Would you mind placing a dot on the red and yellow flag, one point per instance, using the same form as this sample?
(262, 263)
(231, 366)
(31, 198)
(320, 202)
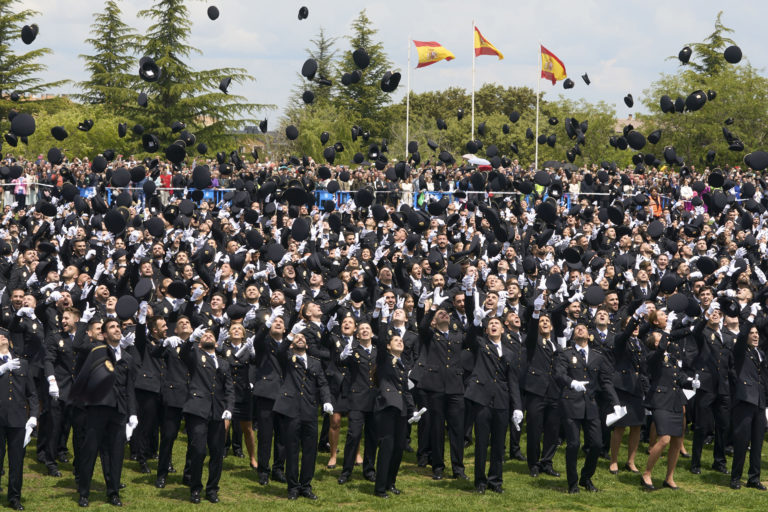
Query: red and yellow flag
(431, 52)
(552, 68)
(484, 47)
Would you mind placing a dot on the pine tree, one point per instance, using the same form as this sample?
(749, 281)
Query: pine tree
(18, 70)
(111, 81)
(182, 93)
(364, 100)
(324, 53)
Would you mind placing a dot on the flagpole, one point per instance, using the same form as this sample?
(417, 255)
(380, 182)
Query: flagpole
(408, 101)
(472, 135)
(538, 93)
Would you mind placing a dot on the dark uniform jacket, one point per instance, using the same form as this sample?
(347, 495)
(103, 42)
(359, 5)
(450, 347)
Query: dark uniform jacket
(303, 389)
(392, 383)
(267, 372)
(18, 399)
(61, 362)
(542, 355)
(122, 393)
(359, 388)
(630, 374)
(439, 368)
(750, 369)
(596, 370)
(175, 379)
(211, 391)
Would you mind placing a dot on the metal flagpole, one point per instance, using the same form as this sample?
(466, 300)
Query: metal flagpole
(408, 101)
(472, 135)
(538, 93)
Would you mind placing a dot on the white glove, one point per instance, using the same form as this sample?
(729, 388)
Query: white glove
(298, 327)
(32, 280)
(332, 322)
(223, 335)
(417, 416)
(49, 286)
(90, 254)
(88, 314)
(29, 427)
(479, 315)
(695, 275)
(246, 347)
(128, 340)
(695, 383)
(439, 298)
(278, 311)
(641, 311)
(133, 421)
(231, 284)
(467, 283)
(53, 297)
(579, 386)
(381, 303)
(760, 275)
(517, 418)
(538, 304)
(299, 301)
(250, 315)
(425, 294)
(226, 415)
(328, 408)
(197, 333)
(143, 307)
(53, 388)
(12, 364)
(172, 341)
(197, 294)
(178, 303)
(28, 312)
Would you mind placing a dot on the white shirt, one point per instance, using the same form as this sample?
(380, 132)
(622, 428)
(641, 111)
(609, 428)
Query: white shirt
(303, 359)
(118, 353)
(498, 347)
(215, 361)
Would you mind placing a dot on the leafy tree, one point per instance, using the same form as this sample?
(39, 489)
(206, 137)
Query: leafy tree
(324, 53)
(114, 43)
(363, 101)
(18, 71)
(182, 93)
(742, 95)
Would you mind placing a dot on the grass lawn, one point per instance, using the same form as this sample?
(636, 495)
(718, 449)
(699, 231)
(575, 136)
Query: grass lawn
(241, 491)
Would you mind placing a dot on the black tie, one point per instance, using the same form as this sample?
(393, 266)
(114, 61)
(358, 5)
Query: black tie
(583, 354)
(5, 359)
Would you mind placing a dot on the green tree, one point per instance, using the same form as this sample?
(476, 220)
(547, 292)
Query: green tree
(324, 53)
(18, 71)
(363, 102)
(742, 95)
(182, 93)
(113, 42)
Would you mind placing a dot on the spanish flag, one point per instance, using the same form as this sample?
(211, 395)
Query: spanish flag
(431, 52)
(552, 68)
(484, 47)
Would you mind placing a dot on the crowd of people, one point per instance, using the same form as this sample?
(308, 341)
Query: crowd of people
(262, 319)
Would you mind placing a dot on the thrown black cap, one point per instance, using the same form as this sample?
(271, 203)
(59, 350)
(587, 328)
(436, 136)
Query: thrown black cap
(177, 289)
(309, 69)
(594, 295)
(361, 58)
(291, 132)
(23, 125)
(685, 54)
(213, 13)
(568, 84)
(303, 13)
(149, 71)
(224, 84)
(390, 81)
(732, 54)
(585, 77)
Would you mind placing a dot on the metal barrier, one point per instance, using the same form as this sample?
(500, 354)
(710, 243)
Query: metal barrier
(209, 194)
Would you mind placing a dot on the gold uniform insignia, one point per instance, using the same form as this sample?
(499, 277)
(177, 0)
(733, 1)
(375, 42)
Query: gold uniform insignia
(575, 360)
(591, 337)
(178, 350)
(455, 327)
(293, 359)
(109, 366)
(713, 336)
(210, 322)
(394, 361)
(61, 343)
(34, 327)
(202, 358)
(357, 355)
(229, 352)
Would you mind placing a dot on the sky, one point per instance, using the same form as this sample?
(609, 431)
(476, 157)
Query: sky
(623, 46)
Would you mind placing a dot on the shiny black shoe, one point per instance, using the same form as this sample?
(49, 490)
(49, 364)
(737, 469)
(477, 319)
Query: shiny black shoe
(15, 505)
(308, 494)
(263, 478)
(115, 501)
(670, 486)
(408, 448)
(394, 490)
(279, 476)
(480, 489)
(645, 486)
(720, 469)
(371, 477)
(293, 495)
(83, 501)
(460, 476)
(213, 497)
(534, 472)
(437, 474)
(381, 495)
(550, 471)
(422, 462)
(160, 482)
(144, 468)
(239, 454)
(518, 455)
(64, 458)
(695, 470)
(756, 485)
(735, 485)
(54, 472)
(343, 479)
(171, 469)
(588, 486)
(574, 489)
(194, 497)
(497, 489)
(121, 486)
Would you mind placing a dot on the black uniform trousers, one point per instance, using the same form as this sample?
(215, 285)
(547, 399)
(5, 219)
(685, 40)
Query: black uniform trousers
(748, 430)
(490, 430)
(79, 416)
(543, 418)
(105, 433)
(205, 433)
(423, 432)
(359, 421)
(268, 429)
(391, 428)
(149, 406)
(299, 435)
(593, 443)
(445, 408)
(13, 437)
(61, 415)
(711, 413)
(169, 431)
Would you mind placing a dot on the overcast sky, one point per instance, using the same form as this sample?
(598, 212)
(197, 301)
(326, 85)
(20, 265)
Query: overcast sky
(622, 45)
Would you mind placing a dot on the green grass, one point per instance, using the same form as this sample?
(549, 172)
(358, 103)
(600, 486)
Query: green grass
(241, 491)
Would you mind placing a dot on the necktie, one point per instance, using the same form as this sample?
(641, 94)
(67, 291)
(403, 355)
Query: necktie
(5, 359)
(463, 320)
(215, 362)
(304, 361)
(602, 337)
(583, 354)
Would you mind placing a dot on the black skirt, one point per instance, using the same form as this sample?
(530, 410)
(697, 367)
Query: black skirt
(243, 411)
(635, 410)
(668, 423)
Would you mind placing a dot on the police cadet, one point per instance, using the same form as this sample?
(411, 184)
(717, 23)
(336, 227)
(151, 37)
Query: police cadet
(581, 371)
(441, 378)
(542, 392)
(105, 387)
(209, 404)
(359, 357)
(493, 390)
(18, 409)
(303, 389)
